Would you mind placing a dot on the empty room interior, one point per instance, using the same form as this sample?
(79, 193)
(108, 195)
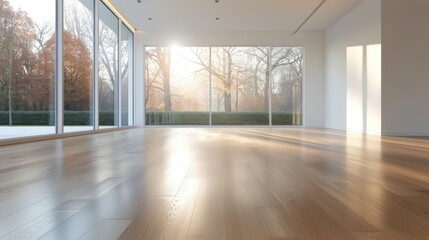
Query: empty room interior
(214, 119)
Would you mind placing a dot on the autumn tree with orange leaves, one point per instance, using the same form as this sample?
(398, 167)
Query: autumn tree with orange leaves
(27, 60)
(77, 66)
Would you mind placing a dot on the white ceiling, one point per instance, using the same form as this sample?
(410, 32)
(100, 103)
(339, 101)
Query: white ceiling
(235, 15)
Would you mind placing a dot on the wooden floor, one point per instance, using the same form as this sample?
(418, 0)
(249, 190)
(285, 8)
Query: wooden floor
(233, 184)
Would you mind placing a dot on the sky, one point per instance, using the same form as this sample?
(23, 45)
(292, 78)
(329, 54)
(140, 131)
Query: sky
(41, 11)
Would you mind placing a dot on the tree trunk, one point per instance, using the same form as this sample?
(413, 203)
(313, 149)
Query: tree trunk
(167, 91)
(255, 82)
(266, 87)
(9, 77)
(167, 94)
(227, 100)
(165, 60)
(147, 88)
(236, 96)
(228, 83)
(218, 102)
(267, 82)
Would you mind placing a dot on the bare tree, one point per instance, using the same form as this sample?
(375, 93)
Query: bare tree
(272, 58)
(223, 70)
(151, 76)
(161, 57)
(108, 66)
(78, 20)
(41, 34)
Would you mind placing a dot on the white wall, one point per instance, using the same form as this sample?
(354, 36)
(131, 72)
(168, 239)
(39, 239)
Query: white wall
(314, 95)
(139, 83)
(353, 70)
(405, 67)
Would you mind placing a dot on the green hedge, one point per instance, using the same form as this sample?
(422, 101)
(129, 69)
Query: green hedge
(177, 118)
(218, 118)
(83, 118)
(240, 118)
(282, 119)
(42, 118)
(47, 118)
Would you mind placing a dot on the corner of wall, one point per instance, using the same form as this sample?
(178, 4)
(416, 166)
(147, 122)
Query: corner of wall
(353, 69)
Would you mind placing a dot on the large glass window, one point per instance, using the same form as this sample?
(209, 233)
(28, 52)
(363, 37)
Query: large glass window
(29, 65)
(177, 86)
(126, 56)
(78, 57)
(108, 68)
(27, 52)
(286, 88)
(239, 95)
(247, 84)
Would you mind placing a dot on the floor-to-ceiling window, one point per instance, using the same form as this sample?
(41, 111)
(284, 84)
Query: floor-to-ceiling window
(127, 73)
(108, 67)
(177, 85)
(78, 38)
(246, 85)
(286, 90)
(78, 60)
(27, 52)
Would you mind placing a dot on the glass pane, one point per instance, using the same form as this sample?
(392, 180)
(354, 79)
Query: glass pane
(108, 67)
(240, 83)
(27, 53)
(287, 85)
(177, 86)
(78, 65)
(126, 76)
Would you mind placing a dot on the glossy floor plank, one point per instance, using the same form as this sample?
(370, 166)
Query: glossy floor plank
(160, 183)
